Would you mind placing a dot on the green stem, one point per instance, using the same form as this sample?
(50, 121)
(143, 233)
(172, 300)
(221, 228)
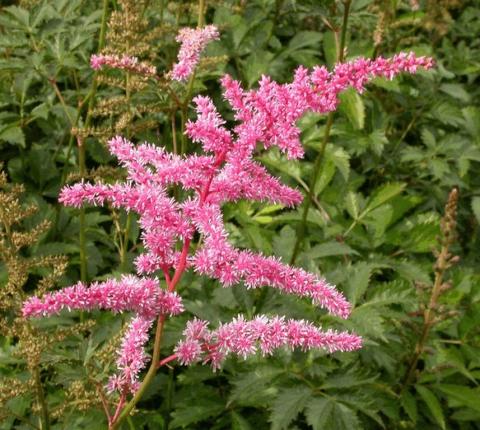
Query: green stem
(200, 23)
(171, 284)
(201, 13)
(148, 377)
(124, 249)
(81, 148)
(41, 400)
(428, 317)
(162, 7)
(318, 161)
(83, 227)
(183, 142)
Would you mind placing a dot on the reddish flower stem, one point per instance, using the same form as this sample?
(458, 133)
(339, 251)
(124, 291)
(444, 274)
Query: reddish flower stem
(122, 414)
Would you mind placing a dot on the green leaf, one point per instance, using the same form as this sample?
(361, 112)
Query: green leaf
(326, 413)
(460, 395)
(384, 194)
(289, 403)
(197, 405)
(457, 91)
(409, 404)
(358, 281)
(447, 114)
(327, 171)
(19, 14)
(472, 120)
(432, 403)
(239, 422)
(341, 159)
(13, 134)
(253, 388)
(255, 65)
(284, 243)
(330, 48)
(329, 249)
(352, 204)
(476, 207)
(303, 39)
(351, 104)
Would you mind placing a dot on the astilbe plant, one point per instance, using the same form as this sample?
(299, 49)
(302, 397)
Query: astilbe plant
(226, 172)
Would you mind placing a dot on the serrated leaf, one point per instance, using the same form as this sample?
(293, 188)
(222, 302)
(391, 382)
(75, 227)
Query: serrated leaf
(352, 205)
(428, 138)
(13, 134)
(409, 404)
(303, 39)
(326, 413)
(447, 114)
(432, 403)
(239, 423)
(284, 243)
(384, 194)
(457, 91)
(461, 395)
(327, 171)
(191, 413)
(351, 104)
(472, 120)
(288, 404)
(252, 388)
(358, 280)
(329, 249)
(19, 14)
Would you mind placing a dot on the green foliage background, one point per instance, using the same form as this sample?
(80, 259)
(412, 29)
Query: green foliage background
(393, 155)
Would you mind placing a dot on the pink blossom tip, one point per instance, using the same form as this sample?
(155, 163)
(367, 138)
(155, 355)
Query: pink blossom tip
(193, 42)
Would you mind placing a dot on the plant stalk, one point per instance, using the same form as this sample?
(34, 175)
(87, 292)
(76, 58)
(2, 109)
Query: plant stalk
(171, 285)
(318, 161)
(444, 261)
(81, 148)
(41, 400)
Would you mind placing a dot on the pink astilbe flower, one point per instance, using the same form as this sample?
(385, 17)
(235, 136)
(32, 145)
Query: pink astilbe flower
(228, 172)
(140, 295)
(130, 64)
(245, 338)
(193, 42)
(131, 356)
(269, 114)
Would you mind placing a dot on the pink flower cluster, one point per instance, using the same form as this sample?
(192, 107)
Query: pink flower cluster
(131, 356)
(193, 42)
(130, 294)
(130, 64)
(244, 338)
(228, 172)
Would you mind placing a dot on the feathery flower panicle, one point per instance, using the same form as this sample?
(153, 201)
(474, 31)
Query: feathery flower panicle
(228, 172)
(245, 338)
(130, 64)
(193, 42)
(269, 114)
(131, 356)
(130, 294)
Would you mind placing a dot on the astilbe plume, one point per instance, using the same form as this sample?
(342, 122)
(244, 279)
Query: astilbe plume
(193, 42)
(226, 173)
(124, 62)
